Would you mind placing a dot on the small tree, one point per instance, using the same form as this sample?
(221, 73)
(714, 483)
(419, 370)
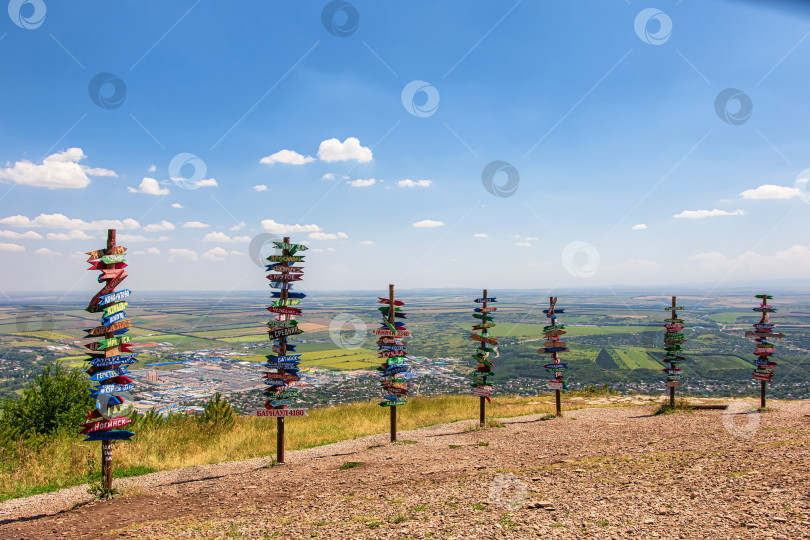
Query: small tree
(218, 413)
(58, 398)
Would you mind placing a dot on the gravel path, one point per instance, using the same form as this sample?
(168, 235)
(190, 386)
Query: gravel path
(613, 472)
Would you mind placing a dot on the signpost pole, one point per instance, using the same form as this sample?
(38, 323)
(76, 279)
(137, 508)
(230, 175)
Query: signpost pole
(482, 406)
(106, 446)
(762, 387)
(391, 320)
(672, 388)
(555, 359)
(280, 419)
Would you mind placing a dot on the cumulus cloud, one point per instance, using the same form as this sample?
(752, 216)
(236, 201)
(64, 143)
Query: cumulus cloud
(480, 235)
(208, 182)
(288, 157)
(60, 221)
(328, 176)
(259, 188)
(57, 171)
(271, 226)
(177, 205)
(47, 252)
(215, 236)
(239, 226)
(428, 223)
(639, 227)
(322, 236)
(770, 191)
(149, 251)
(350, 149)
(362, 183)
(195, 225)
(367, 242)
(410, 183)
(523, 244)
(342, 235)
(28, 235)
(11, 247)
(75, 234)
(149, 186)
(700, 214)
(215, 254)
(182, 253)
(157, 227)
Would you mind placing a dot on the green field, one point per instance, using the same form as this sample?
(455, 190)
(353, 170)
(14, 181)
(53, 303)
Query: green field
(728, 317)
(536, 330)
(343, 359)
(637, 358)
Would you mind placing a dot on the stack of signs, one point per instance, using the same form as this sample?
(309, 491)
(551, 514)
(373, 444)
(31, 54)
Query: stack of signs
(554, 346)
(391, 347)
(673, 338)
(283, 374)
(763, 331)
(481, 386)
(110, 355)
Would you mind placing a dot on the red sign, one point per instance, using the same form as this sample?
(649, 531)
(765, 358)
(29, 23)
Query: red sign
(388, 301)
(763, 377)
(389, 333)
(285, 277)
(284, 310)
(104, 425)
(281, 413)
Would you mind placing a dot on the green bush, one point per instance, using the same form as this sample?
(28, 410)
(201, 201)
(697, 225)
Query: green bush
(58, 398)
(218, 413)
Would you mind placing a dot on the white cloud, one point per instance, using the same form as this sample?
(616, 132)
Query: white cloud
(28, 235)
(367, 242)
(361, 182)
(322, 236)
(59, 170)
(195, 225)
(259, 188)
(162, 226)
(288, 157)
(350, 149)
(177, 205)
(330, 249)
(280, 228)
(531, 239)
(215, 254)
(208, 182)
(342, 235)
(700, 214)
(75, 234)
(47, 252)
(152, 168)
(235, 252)
(153, 251)
(182, 253)
(215, 236)
(480, 235)
(239, 226)
(639, 227)
(60, 221)
(328, 176)
(11, 247)
(149, 186)
(410, 183)
(428, 223)
(769, 191)
(523, 244)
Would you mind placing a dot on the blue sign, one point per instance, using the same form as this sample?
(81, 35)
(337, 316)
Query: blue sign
(287, 358)
(111, 389)
(556, 366)
(394, 370)
(114, 297)
(109, 374)
(115, 317)
(280, 402)
(117, 435)
(277, 294)
(114, 360)
(275, 382)
(391, 347)
(286, 366)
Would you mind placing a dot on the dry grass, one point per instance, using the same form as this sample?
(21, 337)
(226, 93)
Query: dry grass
(65, 460)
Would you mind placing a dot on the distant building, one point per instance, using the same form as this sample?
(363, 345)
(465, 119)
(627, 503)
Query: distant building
(152, 376)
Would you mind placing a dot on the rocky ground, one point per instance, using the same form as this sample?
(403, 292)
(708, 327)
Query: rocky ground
(615, 472)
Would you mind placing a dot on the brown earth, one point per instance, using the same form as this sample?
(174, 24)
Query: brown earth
(615, 472)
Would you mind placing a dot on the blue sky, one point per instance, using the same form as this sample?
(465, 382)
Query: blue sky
(608, 110)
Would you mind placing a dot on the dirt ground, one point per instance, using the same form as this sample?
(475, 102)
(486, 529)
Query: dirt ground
(615, 472)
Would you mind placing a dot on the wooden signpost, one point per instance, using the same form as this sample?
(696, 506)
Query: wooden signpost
(763, 331)
(284, 366)
(109, 356)
(480, 385)
(391, 348)
(554, 346)
(673, 350)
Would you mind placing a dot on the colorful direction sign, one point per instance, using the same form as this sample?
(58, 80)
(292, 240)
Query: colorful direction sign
(481, 386)
(763, 348)
(673, 349)
(283, 368)
(554, 346)
(392, 350)
(107, 366)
